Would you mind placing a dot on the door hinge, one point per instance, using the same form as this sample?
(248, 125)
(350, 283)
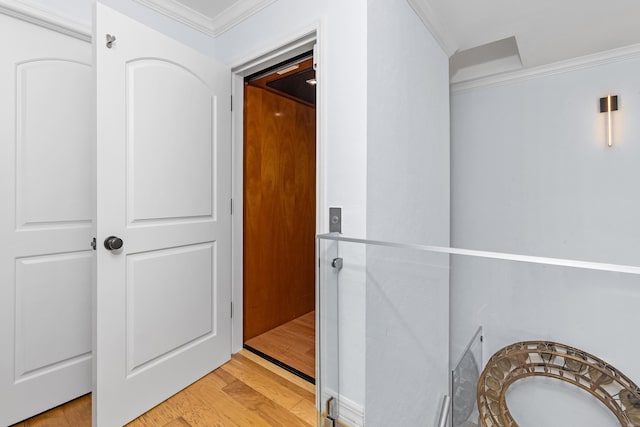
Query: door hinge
(232, 310)
(93, 243)
(231, 102)
(231, 206)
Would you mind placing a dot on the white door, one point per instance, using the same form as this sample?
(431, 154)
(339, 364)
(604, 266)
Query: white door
(46, 140)
(163, 187)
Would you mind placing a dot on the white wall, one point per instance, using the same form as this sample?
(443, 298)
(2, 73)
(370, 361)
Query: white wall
(531, 175)
(407, 293)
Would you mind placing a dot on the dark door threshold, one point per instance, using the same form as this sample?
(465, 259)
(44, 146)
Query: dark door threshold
(280, 364)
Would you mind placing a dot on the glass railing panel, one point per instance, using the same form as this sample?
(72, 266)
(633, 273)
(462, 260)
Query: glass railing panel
(577, 319)
(393, 334)
(407, 335)
(342, 276)
(328, 333)
(405, 315)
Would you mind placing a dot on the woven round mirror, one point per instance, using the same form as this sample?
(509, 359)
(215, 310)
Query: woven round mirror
(559, 361)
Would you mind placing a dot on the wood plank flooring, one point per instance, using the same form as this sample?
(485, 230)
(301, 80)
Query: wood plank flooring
(74, 413)
(247, 391)
(293, 343)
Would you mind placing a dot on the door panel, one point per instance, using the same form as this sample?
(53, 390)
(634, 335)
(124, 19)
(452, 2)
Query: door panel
(50, 329)
(52, 187)
(279, 210)
(45, 182)
(155, 129)
(160, 299)
(163, 174)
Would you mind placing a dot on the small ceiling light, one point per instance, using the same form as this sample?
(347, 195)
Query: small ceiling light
(312, 82)
(287, 69)
(608, 104)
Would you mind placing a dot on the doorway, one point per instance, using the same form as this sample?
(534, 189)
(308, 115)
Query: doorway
(279, 218)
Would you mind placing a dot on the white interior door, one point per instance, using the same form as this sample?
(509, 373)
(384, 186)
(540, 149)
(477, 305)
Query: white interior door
(163, 187)
(46, 134)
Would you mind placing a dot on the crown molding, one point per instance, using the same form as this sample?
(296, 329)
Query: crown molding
(429, 18)
(181, 13)
(238, 12)
(29, 11)
(582, 62)
(215, 26)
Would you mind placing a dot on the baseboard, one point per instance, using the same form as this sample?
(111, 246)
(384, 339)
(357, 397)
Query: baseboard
(350, 413)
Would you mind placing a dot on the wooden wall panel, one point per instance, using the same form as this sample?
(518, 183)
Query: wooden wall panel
(279, 210)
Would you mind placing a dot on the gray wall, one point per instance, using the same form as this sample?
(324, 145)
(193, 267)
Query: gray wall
(407, 128)
(532, 175)
(407, 201)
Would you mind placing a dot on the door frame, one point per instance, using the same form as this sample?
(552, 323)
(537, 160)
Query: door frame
(300, 42)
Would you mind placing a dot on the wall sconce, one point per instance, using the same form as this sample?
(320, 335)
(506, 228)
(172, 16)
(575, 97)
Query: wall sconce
(608, 104)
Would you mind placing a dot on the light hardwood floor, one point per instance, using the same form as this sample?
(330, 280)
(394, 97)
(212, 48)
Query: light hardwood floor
(247, 391)
(293, 343)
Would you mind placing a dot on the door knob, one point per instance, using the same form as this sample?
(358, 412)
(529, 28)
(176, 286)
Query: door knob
(113, 243)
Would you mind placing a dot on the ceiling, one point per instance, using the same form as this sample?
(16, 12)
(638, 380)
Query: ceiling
(508, 34)
(545, 31)
(207, 7)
